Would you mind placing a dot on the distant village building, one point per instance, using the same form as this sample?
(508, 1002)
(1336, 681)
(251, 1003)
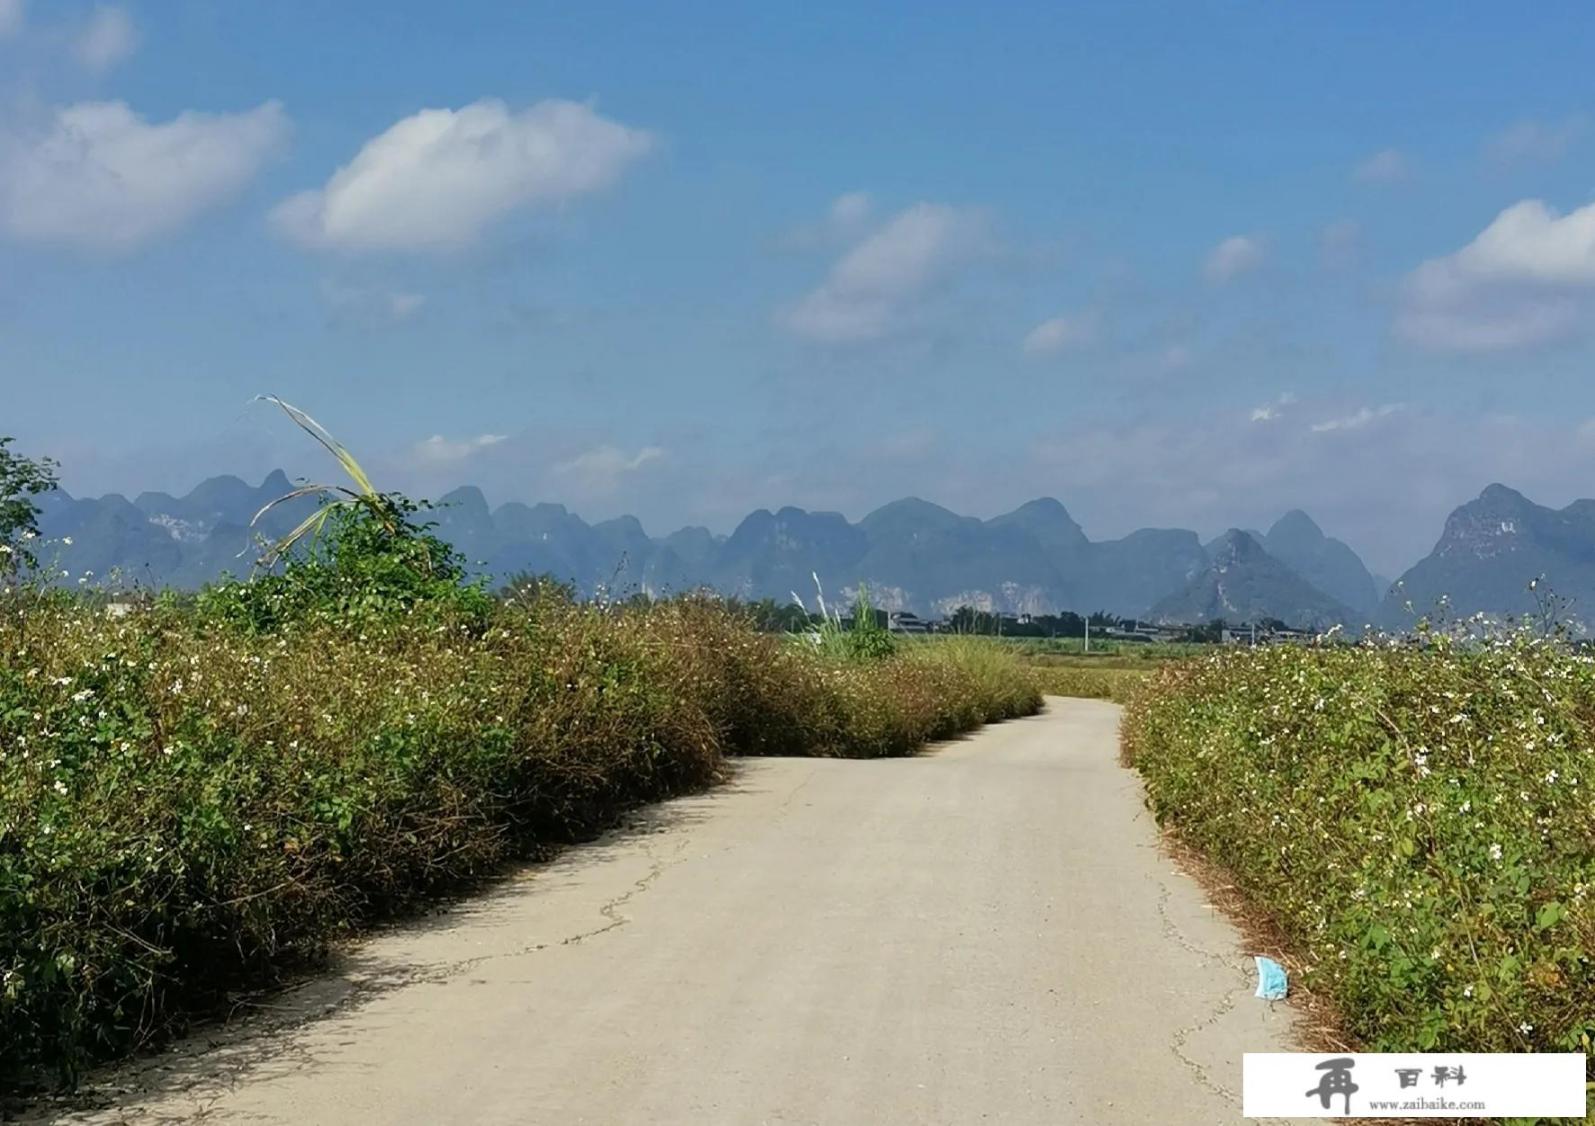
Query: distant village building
(901, 621)
(1263, 635)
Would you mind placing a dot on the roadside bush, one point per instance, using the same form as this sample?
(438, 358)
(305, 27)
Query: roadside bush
(193, 800)
(369, 561)
(1418, 821)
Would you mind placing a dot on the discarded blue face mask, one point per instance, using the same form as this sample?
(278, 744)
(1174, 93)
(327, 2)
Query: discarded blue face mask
(1270, 979)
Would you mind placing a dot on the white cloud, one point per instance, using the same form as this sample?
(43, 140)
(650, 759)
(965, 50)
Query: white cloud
(1236, 255)
(107, 39)
(1060, 334)
(99, 176)
(1527, 141)
(1522, 282)
(844, 223)
(851, 208)
(873, 288)
(437, 179)
(1272, 412)
(438, 450)
(601, 468)
(12, 17)
(1387, 166)
(1530, 242)
(1357, 420)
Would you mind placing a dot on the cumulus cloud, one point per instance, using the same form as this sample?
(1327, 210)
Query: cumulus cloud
(438, 450)
(438, 178)
(1524, 281)
(1530, 141)
(107, 39)
(1060, 334)
(1387, 166)
(873, 289)
(12, 17)
(99, 176)
(1236, 255)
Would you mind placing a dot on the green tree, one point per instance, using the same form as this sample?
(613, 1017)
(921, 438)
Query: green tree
(21, 479)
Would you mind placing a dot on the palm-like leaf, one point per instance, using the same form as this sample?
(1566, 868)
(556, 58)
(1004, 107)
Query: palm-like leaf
(311, 525)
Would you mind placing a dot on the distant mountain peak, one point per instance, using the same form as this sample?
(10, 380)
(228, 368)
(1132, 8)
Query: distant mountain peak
(1048, 521)
(1296, 524)
(1492, 548)
(467, 499)
(1499, 496)
(915, 507)
(1048, 507)
(1235, 546)
(1325, 562)
(1243, 582)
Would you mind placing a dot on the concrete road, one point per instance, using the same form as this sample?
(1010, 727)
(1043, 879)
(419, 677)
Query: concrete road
(986, 933)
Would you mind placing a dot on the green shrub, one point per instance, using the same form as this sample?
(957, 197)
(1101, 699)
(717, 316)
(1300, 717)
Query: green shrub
(1419, 821)
(370, 560)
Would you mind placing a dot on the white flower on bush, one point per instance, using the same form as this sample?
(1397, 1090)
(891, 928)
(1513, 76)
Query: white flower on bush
(1495, 853)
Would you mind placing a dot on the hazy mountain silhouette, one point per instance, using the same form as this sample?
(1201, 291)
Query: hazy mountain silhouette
(913, 554)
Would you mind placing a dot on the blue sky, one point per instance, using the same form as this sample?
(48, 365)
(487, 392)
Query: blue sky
(1177, 265)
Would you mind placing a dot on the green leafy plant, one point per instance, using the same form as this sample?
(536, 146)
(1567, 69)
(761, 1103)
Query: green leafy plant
(21, 480)
(361, 556)
(865, 638)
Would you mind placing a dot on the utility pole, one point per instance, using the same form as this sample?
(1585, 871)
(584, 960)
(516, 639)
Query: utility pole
(1254, 635)
(1088, 633)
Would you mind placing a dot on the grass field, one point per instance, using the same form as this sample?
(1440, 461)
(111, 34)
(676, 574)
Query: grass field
(1115, 673)
(1139, 652)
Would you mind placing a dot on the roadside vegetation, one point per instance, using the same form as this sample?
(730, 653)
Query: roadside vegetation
(1417, 819)
(199, 794)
